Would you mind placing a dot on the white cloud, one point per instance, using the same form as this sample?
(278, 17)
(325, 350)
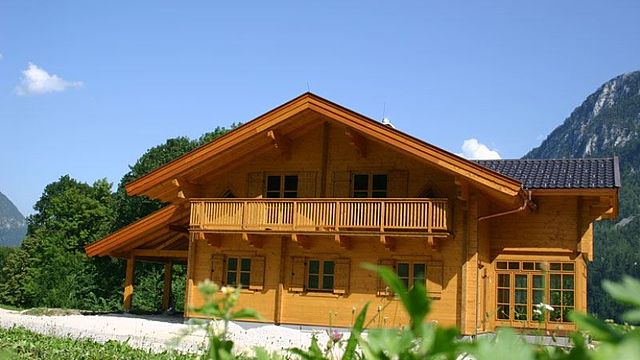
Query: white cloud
(472, 149)
(36, 81)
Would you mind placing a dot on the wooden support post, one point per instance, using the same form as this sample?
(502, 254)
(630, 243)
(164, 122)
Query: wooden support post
(128, 283)
(166, 290)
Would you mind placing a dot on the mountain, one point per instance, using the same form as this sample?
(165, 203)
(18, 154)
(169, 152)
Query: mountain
(12, 224)
(607, 123)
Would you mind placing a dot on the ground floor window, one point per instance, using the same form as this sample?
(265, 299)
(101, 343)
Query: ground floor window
(411, 272)
(521, 285)
(320, 275)
(238, 271)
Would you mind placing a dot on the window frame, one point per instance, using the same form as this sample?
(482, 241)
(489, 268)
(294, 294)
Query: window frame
(238, 271)
(370, 191)
(282, 191)
(320, 274)
(531, 269)
(411, 276)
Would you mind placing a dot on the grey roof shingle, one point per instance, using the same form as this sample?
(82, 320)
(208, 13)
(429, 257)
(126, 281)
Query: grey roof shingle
(559, 173)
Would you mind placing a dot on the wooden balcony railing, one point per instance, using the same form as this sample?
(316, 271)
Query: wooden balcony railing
(428, 216)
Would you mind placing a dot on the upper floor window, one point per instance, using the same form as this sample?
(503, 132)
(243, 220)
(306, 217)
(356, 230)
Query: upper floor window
(369, 186)
(282, 186)
(524, 284)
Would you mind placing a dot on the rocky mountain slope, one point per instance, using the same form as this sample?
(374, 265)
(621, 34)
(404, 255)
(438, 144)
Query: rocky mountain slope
(12, 224)
(606, 124)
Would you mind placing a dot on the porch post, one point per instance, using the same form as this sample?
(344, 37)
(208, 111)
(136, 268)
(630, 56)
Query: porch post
(166, 291)
(128, 283)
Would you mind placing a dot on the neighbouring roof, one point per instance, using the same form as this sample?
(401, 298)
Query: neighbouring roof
(597, 173)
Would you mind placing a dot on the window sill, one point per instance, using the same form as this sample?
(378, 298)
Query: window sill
(320, 294)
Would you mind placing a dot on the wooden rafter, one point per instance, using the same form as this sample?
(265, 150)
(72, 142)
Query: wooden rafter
(388, 242)
(301, 240)
(256, 241)
(343, 241)
(182, 254)
(171, 241)
(358, 142)
(185, 189)
(280, 142)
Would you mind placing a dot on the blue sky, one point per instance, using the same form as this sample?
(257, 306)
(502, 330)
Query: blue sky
(109, 80)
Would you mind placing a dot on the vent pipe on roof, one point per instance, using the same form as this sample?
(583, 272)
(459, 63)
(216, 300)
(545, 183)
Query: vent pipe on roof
(388, 123)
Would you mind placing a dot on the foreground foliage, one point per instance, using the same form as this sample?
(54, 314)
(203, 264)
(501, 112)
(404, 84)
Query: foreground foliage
(19, 343)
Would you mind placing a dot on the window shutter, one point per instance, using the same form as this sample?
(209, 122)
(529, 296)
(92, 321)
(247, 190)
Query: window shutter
(256, 281)
(341, 276)
(217, 268)
(383, 288)
(255, 184)
(297, 274)
(434, 278)
(341, 184)
(397, 183)
(307, 184)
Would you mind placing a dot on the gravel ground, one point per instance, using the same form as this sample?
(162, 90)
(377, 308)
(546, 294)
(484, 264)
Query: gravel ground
(156, 332)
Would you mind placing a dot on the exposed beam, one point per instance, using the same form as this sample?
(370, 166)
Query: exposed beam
(388, 242)
(301, 240)
(280, 142)
(256, 241)
(171, 241)
(358, 141)
(186, 189)
(179, 228)
(160, 253)
(433, 243)
(212, 239)
(343, 241)
(128, 283)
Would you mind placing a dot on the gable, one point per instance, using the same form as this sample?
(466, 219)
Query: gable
(274, 128)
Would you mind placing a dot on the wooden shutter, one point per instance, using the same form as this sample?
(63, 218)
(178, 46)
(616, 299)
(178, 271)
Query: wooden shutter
(256, 281)
(341, 276)
(255, 184)
(434, 278)
(217, 268)
(297, 274)
(307, 184)
(341, 184)
(397, 183)
(383, 288)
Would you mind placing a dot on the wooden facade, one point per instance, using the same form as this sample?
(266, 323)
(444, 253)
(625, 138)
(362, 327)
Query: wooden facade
(290, 205)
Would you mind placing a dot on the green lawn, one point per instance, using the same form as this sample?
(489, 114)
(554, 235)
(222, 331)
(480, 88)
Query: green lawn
(9, 307)
(20, 343)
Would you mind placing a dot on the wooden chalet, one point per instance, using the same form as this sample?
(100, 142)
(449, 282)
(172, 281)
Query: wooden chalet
(290, 204)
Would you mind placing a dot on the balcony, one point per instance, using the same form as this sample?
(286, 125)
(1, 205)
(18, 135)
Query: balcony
(397, 217)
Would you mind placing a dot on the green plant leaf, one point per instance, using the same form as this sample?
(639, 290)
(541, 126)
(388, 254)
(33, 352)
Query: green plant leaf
(626, 292)
(350, 350)
(596, 328)
(246, 314)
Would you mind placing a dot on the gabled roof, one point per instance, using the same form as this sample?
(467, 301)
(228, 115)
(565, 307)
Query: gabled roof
(595, 173)
(465, 169)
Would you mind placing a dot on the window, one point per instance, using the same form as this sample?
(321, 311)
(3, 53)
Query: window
(369, 185)
(523, 284)
(320, 275)
(282, 186)
(239, 272)
(410, 273)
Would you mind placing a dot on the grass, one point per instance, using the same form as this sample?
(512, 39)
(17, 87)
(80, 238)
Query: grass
(10, 307)
(20, 343)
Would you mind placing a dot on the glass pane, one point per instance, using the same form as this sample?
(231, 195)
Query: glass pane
(536, 317)
(419, 271)
(360, 194)
(327, 282)
(555, 315)
(538, 281)
(555, 266)
(503, 312)
(520, 312)
(503, 296)
(244, 279)
(273, 194)
(405, 281)
(521, 296)
(504, 280)
(539, 266)
(555, 282)
(527, 266)
(567, 282)
(521, 281)
(379, 194)
(567, 298)
(514, 265)
(314, 267)
(567, 267)
(379, 182)
(290, 194)
(291, 182)
(403, 269)
(232, 264)
(556, 297)
(538, 296)
(360, 182)
(245, 264)
(565, 314)
(327, 268)
(231, 278)
(313, 282)
(501, 265)
(273, 183)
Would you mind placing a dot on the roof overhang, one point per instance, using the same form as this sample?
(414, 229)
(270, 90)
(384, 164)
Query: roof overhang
(157, 181)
